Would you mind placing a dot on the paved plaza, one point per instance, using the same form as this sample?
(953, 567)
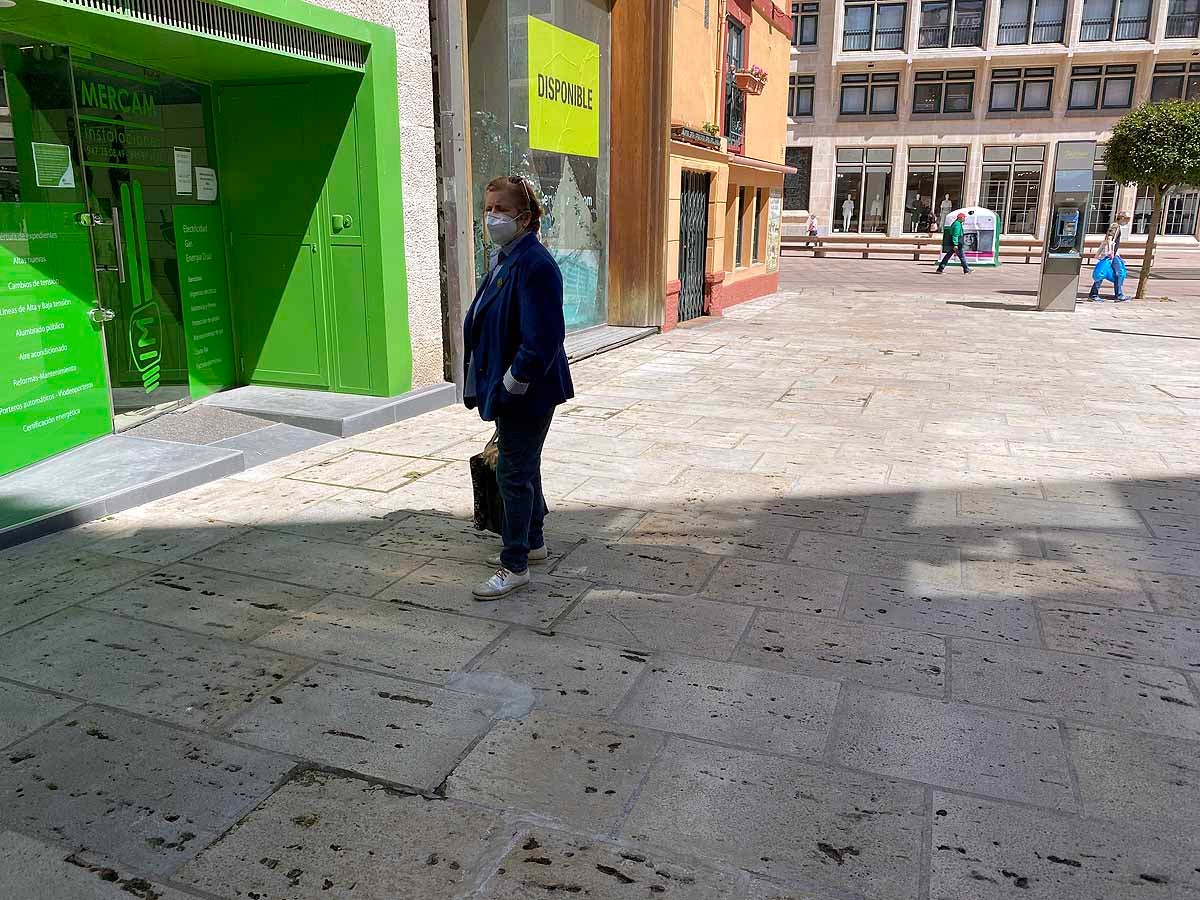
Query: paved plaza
(861, 592)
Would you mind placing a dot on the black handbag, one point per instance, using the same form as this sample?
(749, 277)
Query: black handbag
(489, 506)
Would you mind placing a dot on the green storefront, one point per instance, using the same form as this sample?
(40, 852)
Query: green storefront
(192, 197)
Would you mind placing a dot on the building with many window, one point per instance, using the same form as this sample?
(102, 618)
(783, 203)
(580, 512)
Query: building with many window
(899, 112)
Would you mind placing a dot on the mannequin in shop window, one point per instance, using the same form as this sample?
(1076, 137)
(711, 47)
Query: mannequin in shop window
(945, 209)
(847, 213)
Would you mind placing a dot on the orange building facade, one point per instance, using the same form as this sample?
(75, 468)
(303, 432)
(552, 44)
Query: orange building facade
(729, 78)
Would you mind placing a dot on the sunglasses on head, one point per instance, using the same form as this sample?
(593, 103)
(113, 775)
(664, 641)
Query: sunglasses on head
(518, 179)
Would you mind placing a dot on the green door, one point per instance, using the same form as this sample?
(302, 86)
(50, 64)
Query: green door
(347, 264)
(54, 391)
(272, 204)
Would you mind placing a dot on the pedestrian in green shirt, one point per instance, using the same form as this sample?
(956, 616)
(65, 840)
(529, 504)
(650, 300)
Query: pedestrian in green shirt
(952, 244)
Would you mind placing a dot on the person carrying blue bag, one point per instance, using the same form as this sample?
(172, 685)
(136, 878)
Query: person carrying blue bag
(1109, 265)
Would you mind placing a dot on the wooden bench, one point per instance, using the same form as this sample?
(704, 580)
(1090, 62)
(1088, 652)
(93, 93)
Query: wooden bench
(1012, 249)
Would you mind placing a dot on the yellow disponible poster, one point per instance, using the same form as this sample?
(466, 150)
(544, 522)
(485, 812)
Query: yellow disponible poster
(564, 91)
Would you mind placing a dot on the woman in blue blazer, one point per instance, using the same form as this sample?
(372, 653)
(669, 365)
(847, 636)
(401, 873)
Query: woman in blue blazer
(516, 370)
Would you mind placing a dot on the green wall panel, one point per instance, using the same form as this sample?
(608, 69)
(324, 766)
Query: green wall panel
(354, 357)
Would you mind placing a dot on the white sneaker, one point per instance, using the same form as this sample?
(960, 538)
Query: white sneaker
(540, 555)
(501, 584)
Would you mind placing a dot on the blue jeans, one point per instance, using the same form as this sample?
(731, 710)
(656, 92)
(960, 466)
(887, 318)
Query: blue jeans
(1118, 289)
(962, 259)
(519, 477)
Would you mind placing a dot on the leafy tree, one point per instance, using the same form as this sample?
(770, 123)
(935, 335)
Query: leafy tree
(1156, 146)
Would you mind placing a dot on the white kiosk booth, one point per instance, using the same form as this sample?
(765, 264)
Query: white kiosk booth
(981, 235)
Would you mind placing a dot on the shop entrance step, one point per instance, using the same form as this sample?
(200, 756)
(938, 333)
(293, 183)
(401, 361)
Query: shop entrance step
(340, 415)
(104, 477)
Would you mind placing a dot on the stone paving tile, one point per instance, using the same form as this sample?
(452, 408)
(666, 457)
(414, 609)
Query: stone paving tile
(598, 445)
(256, 503)
(988, 851)
(427, 495)
(566, 675)
(784, 819)
(1046, 579)
(764, 537)
(137, 793)
(844, 651)
(640, 472)
(764, 890)
(1174, 527)
(388, 637)
(998, 754)
(1177, 595)
(225, 604)
(733, 704)
(989, 541)
(23, 711)
(367, 470)
(624, 493)
(1151, 555)
(1133, 496)
(349, 517)
(810, 514)
(940, 611)
(666, 569)
(1016, 512)
(1136, 778)
(658, 622)
(33, 869)
(1103, 692)
(445, 585)
(438, 537)
(379, 727)
(542, 863)
(577, 771)
(319, 564)
(161, 537)
(717, 459)
(327, 836)
(29, 598)
(188, 679)
(1132, 636)
(780, 586)
(920, 563)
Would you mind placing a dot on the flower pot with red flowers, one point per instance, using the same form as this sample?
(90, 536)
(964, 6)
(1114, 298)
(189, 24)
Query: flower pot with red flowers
(751, 80)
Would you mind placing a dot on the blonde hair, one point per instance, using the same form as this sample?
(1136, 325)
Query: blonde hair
(518, 185)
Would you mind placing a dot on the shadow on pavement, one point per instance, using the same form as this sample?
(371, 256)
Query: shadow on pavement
(332, 636)
(984, 304)
(1180, 337)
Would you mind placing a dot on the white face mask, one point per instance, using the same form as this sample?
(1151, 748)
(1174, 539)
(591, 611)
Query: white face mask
(501, 228)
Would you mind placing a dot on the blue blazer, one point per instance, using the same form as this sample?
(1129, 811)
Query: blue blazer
(515, 326)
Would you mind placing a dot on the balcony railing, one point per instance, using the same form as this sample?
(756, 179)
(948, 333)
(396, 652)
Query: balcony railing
(889, 39)
(939, 36)
(968, 36)
(856, 40)
(1186, 25)
(1020, 33)
(934, 36)
(1096, 30)
(1048, 32)
(1133, 29)
(1013, 33)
